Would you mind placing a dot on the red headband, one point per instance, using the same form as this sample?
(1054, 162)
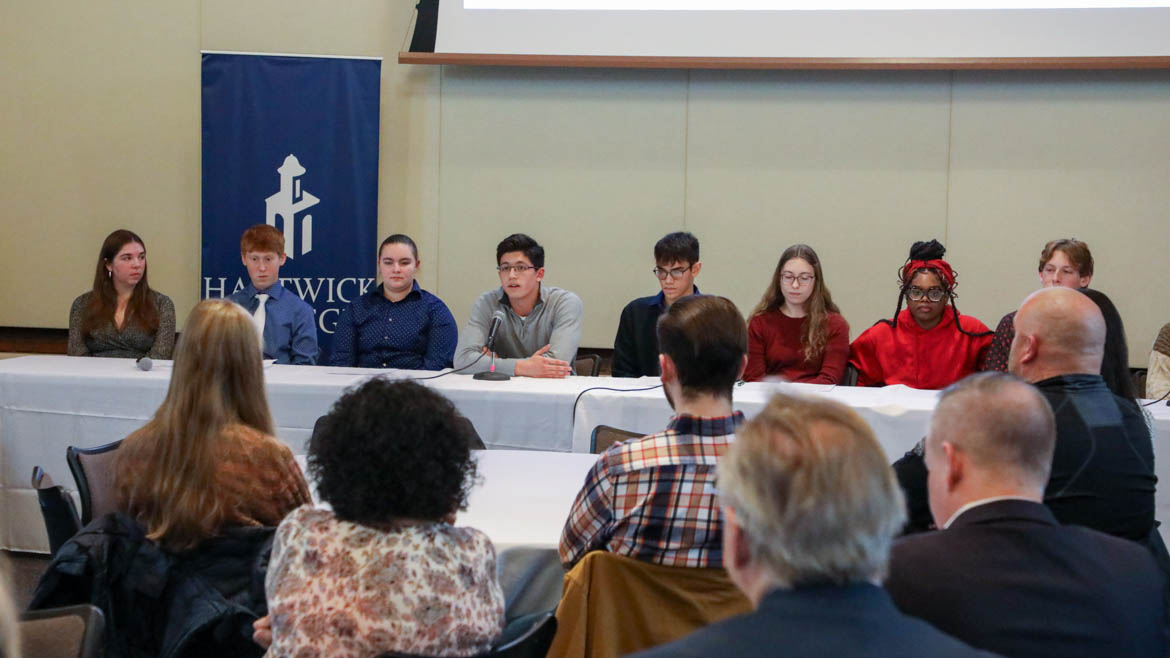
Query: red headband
(937, 264)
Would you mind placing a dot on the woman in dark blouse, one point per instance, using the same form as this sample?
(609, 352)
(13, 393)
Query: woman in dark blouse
(122, 316)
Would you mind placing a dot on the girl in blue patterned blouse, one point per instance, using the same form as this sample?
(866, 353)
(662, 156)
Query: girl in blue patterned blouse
(398, 324)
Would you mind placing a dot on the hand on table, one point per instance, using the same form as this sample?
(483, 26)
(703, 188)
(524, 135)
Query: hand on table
(539, 365)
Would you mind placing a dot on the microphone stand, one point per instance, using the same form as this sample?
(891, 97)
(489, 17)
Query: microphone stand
(490, 374)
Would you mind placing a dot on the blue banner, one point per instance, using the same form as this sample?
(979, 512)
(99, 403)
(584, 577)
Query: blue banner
(292, 142)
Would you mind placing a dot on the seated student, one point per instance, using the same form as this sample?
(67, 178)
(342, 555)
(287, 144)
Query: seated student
(207, 459)
(541, 324)
(283, 320)
(397, 325)
(927, 345)
(122, 316)
(653, 498)
(1066, 262)
(385, 569)
(635, 348)
(1158, 376)
(1003, 574)
(797, 332)
(809, 509)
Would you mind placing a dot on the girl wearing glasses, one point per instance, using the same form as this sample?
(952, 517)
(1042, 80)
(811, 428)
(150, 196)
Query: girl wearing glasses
(927, 345)
(797, 332)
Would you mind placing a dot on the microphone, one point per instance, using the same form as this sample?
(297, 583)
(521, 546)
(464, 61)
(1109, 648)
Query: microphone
(144, 364)
(497, 320)
(491, 374)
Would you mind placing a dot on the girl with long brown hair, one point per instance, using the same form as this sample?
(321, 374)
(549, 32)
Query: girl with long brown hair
(797, 332)
(207, 459)
(122, 316)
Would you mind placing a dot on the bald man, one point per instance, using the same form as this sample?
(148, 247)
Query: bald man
(1003, 575)
(1103, 466)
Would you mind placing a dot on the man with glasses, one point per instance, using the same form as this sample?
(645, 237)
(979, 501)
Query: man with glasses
(541, 325)
(635, 349)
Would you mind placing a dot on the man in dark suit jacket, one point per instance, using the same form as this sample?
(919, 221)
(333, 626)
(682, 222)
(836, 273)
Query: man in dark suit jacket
(1002, 574)
(809, 508)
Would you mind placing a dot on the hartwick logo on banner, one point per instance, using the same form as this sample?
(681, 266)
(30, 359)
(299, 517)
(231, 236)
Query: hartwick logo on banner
(283, 211)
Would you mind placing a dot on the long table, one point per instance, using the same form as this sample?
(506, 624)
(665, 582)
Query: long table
(50, 402)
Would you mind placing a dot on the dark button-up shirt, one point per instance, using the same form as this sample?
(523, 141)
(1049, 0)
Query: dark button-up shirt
(415, 333)
(635, 348)
(290, 334)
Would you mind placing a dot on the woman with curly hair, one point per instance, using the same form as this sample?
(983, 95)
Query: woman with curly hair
(207, 459)
(385, 569)
(122, 316)
(797, 332)
(923, 346)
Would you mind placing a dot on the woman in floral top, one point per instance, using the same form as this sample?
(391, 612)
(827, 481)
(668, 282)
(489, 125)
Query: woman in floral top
(385, 570)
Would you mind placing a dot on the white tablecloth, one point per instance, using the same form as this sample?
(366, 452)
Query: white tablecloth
(50, 402)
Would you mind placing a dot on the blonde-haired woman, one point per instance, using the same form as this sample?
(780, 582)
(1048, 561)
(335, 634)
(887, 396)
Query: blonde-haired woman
(797, 332)
(207, 459)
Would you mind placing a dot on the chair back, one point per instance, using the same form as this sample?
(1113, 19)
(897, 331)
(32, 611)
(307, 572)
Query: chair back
(614, 605)
(587, 365)
(70, 632)
(850, 376)
(57, 509)
(604, 436)
(93, 469)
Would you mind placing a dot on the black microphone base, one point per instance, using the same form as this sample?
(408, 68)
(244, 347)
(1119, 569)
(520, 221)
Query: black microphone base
(491, 376)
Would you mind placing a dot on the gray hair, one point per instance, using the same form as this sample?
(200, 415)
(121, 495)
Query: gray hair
(1002, 423)
(814, 493)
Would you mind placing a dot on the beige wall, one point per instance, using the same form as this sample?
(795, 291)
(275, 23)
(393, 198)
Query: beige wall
(99, 128)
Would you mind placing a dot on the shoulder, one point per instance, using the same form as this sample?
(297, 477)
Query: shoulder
(560, 297)
(255, 441)
(432, 300)
(1006, 323)
(81, 301)
(972, 323)
(640, 304)
(837, 322)
(161, 301)
(878, 331)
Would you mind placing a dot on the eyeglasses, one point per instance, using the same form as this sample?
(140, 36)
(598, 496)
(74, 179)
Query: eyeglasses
(789, 278)
(676, 273)
(934, 294)
(518, 269)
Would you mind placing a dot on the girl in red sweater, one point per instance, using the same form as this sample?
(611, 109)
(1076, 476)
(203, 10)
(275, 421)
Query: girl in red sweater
(797, 332)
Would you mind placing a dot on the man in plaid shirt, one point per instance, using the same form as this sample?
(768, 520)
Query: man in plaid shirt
(653, 498)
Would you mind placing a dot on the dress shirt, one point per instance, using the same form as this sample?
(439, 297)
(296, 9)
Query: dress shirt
(635, 348)
(290, 334)
(555, 320)
(414, 333)
(653, 499)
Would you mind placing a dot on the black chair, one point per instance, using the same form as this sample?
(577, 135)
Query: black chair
(70, 632)
(587, 365)
(93, 469)
(604, 436)
(57, 509)
(526, 637)
(850, 376)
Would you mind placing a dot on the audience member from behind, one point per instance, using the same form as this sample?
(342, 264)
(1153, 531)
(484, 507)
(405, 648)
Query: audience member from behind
(928, 345)
(1066, 263)
(1102, 468)
(796, 331)
(284, 322)
(653, 498)
(398, 324)
(207, 459)
(1003, 574)
(122, 316)
(540, 325)
(1158, 376)
(676, 264)
(809, 508)
(385, 569)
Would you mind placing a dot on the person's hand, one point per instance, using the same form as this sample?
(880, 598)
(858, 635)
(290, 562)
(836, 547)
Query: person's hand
(262, 631)
(539, 365)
